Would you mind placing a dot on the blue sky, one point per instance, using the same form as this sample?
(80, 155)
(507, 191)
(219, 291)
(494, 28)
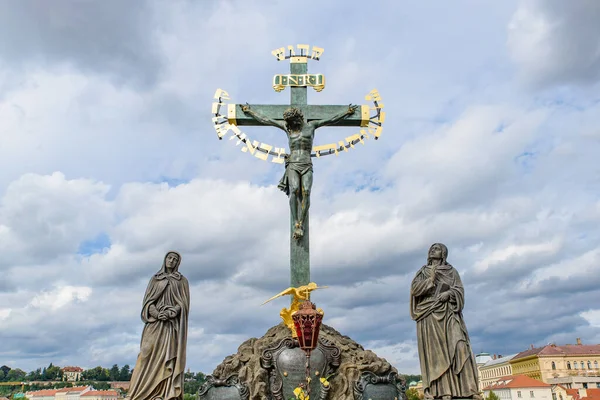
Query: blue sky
(109, 159)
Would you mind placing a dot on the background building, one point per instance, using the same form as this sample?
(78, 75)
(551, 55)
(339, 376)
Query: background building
(72, 374)
(100, 395)
(519, 387)
(494, 369)
(551, 362)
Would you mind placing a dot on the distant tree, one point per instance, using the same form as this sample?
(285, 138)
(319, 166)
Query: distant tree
(114, 373)
(35, 375)
(192, 382)
(53, 373)
(125, 373)
(200, 377)
(492, 396)
(16, 375)
(5, 369)
(96, 374)
(101, 385)
(89, 374)
(412, 394)
(411, 378)
(2, 375)
(191, 387)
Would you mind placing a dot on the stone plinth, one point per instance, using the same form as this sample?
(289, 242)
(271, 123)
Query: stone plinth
(353, 362)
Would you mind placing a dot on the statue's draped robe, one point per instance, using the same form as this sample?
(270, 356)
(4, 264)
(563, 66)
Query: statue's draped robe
(448, 366)
(301, 167)
(159, 370)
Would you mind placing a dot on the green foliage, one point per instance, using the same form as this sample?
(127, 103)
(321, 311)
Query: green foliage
(98, 377)
(96, 374)
(114, 373)
(193, 381)
(35, 375)
(6, 391)
(411, 378)
(412, 394)
(187, 396)
(15, 375)
(125, 373)
(53, 373)
(101, 385)
(492, 396)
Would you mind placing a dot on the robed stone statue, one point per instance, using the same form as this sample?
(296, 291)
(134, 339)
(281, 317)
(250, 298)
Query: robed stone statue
(159, 370)
(437, 299)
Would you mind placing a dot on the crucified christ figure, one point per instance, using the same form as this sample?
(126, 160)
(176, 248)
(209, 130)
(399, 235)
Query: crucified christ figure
(298, 177)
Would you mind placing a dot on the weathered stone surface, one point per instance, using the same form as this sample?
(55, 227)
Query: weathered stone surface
(354, 360)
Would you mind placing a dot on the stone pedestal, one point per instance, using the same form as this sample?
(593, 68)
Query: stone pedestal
(355, 369)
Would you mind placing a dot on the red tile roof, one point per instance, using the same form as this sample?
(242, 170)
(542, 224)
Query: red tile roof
(101, 393)
(574, 393)
(40, 393)
(73, 389)
(78, 389)
(566, 350)
(593, 394)
(516, 382)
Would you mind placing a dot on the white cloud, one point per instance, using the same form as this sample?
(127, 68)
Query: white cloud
(515, 254)
(60, 297)
(4, 313)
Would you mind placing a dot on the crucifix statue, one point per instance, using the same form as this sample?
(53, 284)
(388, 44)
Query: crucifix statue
(299, 120)
(298, 177)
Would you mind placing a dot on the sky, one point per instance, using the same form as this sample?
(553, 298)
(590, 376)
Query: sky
(108, 159)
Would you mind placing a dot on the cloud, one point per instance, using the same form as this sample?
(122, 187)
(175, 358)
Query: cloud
(60, 297)
(59, 213)
(556, 42)
(109, 160)
(103, 38)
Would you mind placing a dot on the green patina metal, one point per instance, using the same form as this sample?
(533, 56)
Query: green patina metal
(299, 248)
(311, 113)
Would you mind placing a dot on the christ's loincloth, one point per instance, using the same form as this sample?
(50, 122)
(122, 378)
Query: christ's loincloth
(301, 167)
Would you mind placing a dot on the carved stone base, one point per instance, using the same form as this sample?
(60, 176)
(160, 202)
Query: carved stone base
(354, 361)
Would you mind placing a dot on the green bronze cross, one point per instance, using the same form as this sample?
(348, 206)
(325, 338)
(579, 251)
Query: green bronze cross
(299, 120)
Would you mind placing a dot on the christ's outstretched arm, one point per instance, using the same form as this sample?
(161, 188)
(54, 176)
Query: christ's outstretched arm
(261, 118)
(329, 121)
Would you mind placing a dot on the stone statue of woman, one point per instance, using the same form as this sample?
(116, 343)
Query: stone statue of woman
(159, 370)
(437, 299)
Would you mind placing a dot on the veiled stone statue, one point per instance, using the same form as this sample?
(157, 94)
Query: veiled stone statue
(159, 370)
(437, 299)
